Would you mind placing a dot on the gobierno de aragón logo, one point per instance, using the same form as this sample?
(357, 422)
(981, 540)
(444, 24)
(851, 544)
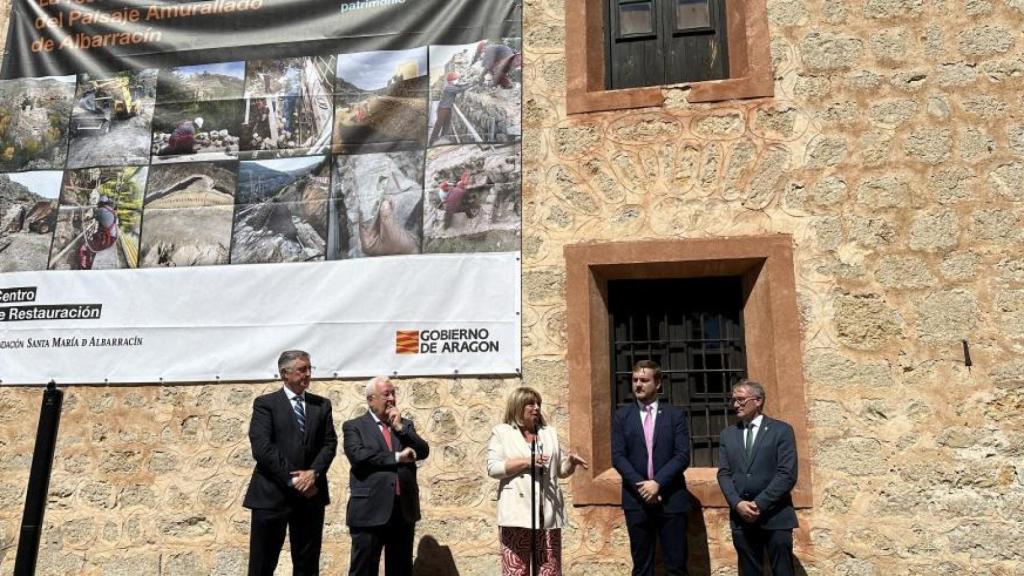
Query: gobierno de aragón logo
(445, 341)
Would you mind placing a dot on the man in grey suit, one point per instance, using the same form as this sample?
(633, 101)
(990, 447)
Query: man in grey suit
(756, 472)
(384, 499)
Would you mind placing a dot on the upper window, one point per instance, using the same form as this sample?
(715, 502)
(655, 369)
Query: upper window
(622, 53)
(656, 42)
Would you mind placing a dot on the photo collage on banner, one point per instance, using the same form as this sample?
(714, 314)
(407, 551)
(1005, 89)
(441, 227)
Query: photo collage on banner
(299, 159)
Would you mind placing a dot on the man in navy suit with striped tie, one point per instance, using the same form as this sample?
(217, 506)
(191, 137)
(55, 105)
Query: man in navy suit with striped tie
(293, 442)
(757, 472)
(651, 450)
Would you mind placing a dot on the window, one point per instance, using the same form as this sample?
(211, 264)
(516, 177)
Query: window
(745, 322)
(656, 42)
(620, 53)
(693, 328)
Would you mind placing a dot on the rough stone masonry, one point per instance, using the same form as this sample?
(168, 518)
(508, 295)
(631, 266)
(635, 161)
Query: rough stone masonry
(891, 152)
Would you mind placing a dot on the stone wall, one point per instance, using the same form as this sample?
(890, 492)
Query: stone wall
(893, 153)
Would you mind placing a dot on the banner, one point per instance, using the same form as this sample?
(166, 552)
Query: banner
(188, 188)
(433, 314)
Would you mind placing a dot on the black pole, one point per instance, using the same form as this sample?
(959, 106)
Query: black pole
(533, 507)
(540, 504)
(39, 481)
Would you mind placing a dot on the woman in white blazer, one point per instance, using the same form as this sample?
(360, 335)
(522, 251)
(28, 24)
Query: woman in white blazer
(508, 461)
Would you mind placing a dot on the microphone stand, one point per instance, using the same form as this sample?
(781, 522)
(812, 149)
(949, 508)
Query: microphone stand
(540, 508)
(533, 509)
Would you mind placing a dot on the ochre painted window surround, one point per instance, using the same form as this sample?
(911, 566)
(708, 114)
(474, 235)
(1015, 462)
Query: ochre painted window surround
(771, 331)
(749, 61)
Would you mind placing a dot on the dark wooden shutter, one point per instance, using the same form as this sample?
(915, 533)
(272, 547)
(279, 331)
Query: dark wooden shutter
(658, 42)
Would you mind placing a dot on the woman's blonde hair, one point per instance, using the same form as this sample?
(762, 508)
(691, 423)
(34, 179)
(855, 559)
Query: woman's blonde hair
(518, 400)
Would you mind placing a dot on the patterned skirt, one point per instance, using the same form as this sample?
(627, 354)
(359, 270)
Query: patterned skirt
(515, 551)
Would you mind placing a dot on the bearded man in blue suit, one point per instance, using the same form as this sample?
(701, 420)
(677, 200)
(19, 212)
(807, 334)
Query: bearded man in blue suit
(651, 450)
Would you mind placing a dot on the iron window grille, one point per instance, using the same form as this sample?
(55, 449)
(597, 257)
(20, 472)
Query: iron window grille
(693, 328)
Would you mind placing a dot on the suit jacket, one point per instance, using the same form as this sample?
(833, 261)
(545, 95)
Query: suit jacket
(766, 478)
(279, 449)
(514, 490)
(375, 471)
(671, 456)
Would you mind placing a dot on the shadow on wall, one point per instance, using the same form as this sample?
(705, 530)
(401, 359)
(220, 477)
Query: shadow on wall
(699, 561)
(432, 559)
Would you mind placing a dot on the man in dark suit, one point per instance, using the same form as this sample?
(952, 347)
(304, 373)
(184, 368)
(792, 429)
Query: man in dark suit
(384, 499)
(293, 442)
(757, 472)
(651, 450)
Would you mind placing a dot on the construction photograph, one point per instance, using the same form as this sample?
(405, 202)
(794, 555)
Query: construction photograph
(281, 210)
(475, 92)
(472, 199)
(98, 219)
(34, 114)
(376, 205)
(110, 121)
(28, 213)
(196, 131)
(220, 81)
(188, 213)
(288, 108)
(380, 101)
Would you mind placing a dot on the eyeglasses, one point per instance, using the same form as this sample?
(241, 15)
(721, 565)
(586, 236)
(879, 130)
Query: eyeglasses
(742, 401)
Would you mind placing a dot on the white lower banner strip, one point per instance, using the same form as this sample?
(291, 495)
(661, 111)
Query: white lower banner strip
(429, 315)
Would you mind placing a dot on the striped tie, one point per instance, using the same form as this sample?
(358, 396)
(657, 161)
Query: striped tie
(300, 414)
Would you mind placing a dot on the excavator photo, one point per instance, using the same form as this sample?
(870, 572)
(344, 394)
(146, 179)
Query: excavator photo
(103, 102)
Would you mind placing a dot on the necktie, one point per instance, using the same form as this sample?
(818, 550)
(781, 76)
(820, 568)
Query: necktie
(748, 441)
(387, 440)
(300, 414)
(387, 435)
(649, 439)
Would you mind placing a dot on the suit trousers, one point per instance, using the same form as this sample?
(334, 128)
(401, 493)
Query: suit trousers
(395, 538)
(751, 542)
(645, 528)
(304, 522)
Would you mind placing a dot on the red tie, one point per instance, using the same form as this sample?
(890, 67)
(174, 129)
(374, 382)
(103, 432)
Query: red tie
(387, 440)
(386, 433)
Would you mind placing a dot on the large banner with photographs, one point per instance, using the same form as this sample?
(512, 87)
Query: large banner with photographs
(188, 188)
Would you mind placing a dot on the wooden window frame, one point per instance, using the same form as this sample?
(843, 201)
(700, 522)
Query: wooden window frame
(712, 21)
(750, 67)
(771, 330)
